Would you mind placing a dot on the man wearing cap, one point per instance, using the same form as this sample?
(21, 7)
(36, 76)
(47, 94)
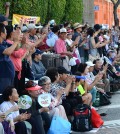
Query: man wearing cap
(37, 66)
(77, 34)
(93, 81)
(60, 48)
(4, 20)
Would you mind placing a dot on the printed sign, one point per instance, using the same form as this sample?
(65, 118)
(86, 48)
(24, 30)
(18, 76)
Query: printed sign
(44, 99)
(26, 19)
(25, 102)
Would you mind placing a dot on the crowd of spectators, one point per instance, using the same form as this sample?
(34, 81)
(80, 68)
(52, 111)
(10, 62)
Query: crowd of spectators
(88, 55)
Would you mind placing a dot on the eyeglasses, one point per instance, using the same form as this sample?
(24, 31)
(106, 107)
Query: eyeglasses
(47, 84)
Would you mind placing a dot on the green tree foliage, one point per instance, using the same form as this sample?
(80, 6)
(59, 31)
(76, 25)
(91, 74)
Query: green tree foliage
(56, 9)
(60, 10)
(74, 10)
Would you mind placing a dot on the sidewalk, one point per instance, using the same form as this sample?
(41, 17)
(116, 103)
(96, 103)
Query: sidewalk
(112, 119)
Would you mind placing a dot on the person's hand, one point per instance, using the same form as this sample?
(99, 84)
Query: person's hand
(98, 77)
(2, 117)
(69, 54)
(73, 78)
(14, 108)
(105, 67)
(43, 36)
(32, 50)
(11, 125)
(44, 109)
(17, 36)
(24, 116)
(24, 40)
(77, 40)
(7, 4)
(69, 80)
(60, 92)
(102, 91)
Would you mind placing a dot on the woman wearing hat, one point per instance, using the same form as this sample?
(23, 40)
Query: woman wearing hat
(77, 34)
(38, 114)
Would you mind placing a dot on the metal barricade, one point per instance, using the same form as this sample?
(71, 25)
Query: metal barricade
(51, 60)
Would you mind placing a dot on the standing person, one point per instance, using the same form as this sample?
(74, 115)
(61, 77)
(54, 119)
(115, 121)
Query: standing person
(72, 47)
(16, 57)
(77, 34)
(93, 46)
(60, 48)
(7, 69)
(100, 46)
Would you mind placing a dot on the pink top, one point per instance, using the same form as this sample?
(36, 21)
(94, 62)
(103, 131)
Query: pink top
(16, 58)
(60, 46)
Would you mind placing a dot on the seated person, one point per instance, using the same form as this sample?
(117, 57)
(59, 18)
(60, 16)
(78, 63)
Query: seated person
(81, 88)
(37, 66)
(38, 114)
(55, 108)
(95, 81)
(99, 68)
(10, 96)
(76, 82)
(69, 104)
(1, 120)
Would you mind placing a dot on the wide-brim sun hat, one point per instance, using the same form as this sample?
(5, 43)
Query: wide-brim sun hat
(77, 25)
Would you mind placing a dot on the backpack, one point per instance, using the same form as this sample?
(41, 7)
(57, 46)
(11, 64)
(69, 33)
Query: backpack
(104, 99)
(82, 118)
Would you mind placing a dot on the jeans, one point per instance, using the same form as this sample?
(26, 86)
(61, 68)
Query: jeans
(93, 91)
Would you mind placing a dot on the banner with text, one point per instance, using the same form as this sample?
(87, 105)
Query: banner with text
(26, 19)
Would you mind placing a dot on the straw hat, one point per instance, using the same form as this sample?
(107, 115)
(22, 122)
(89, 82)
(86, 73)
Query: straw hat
(77, 25)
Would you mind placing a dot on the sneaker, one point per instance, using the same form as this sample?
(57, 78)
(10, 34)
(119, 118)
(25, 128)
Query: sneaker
(94, 108)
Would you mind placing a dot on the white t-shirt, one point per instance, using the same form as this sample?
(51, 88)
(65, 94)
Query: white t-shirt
(6, 105)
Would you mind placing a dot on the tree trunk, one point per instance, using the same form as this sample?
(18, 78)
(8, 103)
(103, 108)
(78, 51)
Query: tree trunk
(116, 20)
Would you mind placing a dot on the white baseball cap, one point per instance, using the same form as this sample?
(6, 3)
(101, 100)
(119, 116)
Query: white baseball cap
(90, 64)
(63, 30)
